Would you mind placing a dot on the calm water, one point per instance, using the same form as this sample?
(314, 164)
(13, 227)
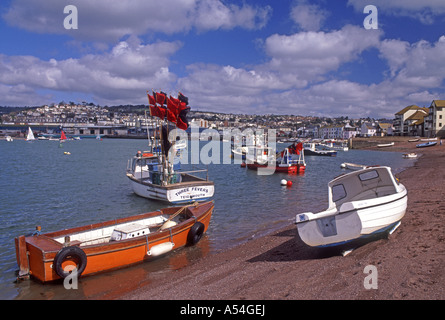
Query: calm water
(42, 186)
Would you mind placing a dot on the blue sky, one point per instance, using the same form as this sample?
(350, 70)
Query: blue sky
(296, 57)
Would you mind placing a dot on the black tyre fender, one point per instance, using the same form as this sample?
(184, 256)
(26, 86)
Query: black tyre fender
(195, 233)
(72, 253)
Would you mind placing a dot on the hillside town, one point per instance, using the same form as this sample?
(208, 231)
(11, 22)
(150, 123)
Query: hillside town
(88, 119)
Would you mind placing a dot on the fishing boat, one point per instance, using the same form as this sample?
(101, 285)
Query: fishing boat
(283, 162)
(30, 135)
(426, 144)
(151, 179)
(156, 174)
(240, 152)
(362, 203)
(113, 244)
(411, 155)
(353, 166)
(384, 145)
(310, 149)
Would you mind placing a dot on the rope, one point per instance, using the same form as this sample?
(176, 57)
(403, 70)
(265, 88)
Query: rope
(177, 213)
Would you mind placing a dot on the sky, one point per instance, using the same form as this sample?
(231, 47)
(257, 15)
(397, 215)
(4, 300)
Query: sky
(297, 57)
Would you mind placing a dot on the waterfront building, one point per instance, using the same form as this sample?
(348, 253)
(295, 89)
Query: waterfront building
(435, 120)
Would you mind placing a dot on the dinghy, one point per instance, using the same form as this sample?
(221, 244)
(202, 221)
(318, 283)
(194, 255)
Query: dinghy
(426, 144)
(100, 247)
(361, 203)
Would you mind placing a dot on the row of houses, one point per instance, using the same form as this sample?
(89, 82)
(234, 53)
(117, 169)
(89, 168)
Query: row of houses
(417, 121)
(367, 129)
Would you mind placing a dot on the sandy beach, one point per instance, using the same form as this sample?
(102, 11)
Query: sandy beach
(410, 262)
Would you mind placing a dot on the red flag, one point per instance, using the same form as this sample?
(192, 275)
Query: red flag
(172, 109)
(183, 98)
(171, 116)
(174, 100)
(151, 100)
(160, 97)
(157, 112)
(173, 105)
(299, 147)
(182, 122)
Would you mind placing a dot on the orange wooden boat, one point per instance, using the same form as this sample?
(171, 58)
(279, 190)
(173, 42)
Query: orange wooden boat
(112, 244)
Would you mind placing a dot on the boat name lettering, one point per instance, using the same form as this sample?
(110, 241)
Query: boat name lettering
(192, 189)
(182, 191)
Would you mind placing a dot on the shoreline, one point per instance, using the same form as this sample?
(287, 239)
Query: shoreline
(280, 266)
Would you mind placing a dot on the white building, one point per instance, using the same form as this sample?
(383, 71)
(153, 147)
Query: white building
(435, 120)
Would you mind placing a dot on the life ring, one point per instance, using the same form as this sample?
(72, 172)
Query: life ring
(72, 253)
(195, 233)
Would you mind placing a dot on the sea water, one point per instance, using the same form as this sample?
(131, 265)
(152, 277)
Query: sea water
(42, 185)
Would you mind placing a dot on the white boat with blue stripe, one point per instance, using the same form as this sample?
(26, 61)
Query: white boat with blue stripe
(361, 204)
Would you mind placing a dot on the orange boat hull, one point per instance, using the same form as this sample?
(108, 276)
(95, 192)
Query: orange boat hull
(41, 250)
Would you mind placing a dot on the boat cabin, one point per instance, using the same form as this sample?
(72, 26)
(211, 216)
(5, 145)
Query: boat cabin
(365, 184)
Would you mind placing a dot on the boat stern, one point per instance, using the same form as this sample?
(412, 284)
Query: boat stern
(328, 229)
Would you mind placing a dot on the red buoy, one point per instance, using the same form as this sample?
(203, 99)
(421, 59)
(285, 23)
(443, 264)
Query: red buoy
(289, 183)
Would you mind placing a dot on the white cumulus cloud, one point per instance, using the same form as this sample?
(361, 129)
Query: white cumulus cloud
(109, 21)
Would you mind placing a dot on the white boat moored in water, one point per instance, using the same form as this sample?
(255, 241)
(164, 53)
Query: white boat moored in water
(361, 203)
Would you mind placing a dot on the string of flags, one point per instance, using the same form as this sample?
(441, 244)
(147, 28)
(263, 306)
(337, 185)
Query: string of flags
(167, 107)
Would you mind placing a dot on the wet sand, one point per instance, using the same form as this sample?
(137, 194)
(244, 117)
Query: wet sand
(409, 263)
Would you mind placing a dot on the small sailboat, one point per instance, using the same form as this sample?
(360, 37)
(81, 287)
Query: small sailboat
(30, 135)
(62, 136)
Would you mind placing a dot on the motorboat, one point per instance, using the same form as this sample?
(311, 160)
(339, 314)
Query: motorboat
(310, 149)
(113, 244)
(362, 203)
(353, 166)
(240, 152)
(156, 173)
(290, 160)
(153, 177)
(411, 155)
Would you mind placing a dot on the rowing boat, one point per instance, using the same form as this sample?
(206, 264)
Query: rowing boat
(113, 244)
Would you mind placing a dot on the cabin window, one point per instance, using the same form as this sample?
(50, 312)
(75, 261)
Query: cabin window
(368, 175)
(338, 192)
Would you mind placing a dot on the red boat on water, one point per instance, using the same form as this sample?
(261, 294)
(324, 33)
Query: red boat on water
(285, 163)
(111, 244)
